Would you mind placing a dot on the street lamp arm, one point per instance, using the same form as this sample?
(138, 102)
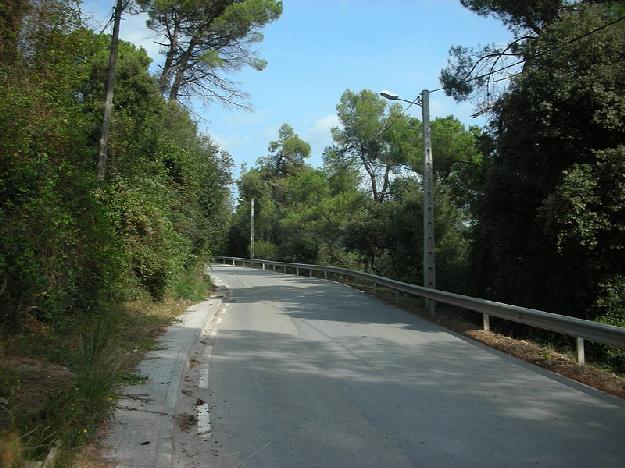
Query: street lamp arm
(394, 97)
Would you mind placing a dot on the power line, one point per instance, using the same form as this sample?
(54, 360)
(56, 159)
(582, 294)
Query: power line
(389, 123)
(543, 52)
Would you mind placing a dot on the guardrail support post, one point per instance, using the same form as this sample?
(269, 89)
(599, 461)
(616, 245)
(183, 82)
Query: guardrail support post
(263, 267)
(375, 288)
(232, 261)
(309, 272)
(486, 322)
(325, 274)
(581, 358)
(285, 268)
(274, 267)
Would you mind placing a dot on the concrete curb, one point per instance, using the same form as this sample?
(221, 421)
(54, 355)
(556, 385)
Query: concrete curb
(165, 450)
(142, 428)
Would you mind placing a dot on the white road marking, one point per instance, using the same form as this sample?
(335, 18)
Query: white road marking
(203, 383)
(203, 421)
(250, 456)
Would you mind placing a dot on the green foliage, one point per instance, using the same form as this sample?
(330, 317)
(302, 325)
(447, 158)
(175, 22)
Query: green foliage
(266, 250)
(359, 141)
(549, 198)
(72, 246)
(11, 14)
(550, 219)
(288, 154)
(204, 40)
(74, 249)
(327, 216)
(531, 15)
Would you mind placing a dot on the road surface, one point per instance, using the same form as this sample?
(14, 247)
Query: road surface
(304, 372)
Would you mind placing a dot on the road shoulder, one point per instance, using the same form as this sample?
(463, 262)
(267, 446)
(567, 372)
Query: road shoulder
(142, 428)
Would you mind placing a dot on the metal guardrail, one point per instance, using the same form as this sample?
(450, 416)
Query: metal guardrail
(571, 326)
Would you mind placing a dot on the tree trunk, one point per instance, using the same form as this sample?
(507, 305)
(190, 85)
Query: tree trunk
(180, 69)
(367, 165)
(165, 78)
(387, 172)
(108, 100)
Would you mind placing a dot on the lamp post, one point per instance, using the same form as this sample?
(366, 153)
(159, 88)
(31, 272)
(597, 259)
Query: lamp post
(252, 229)
(429, 261)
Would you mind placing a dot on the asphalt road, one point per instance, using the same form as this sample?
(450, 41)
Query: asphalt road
(310, 373)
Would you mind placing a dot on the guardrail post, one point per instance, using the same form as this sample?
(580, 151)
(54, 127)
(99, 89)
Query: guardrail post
(309, 272)
(486, 322)
(375, 288)
(296, 271)
(263, 267)
(325, 275)
(232, 262)
(274, 267)
(581, 358)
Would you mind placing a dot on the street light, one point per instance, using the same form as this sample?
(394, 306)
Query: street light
(429, 260)
(252, 229)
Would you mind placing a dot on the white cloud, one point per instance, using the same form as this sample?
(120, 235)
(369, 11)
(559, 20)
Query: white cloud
(326, 123)
(230, 143)
(319, 135)
(270, 132)
(133, 29)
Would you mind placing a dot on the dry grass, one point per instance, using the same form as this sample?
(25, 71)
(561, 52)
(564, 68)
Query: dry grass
(40, 401)
(144, 321)
(39, 382)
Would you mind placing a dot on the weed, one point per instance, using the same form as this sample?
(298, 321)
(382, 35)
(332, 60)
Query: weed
(60, 384)
(131, 378)
(10, 450)
(192, 285)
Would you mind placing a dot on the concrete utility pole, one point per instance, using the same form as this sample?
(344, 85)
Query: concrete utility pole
(429, 245)
(252, 230)
(429, 261)
(108, 100)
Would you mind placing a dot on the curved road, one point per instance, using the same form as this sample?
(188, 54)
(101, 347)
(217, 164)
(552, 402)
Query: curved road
(309, 373)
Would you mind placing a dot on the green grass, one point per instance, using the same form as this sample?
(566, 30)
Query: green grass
(60, 385)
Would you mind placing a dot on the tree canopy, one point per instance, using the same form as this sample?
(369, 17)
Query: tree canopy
(287, 154)
(204, 41)
(72, 245)
(549, 207)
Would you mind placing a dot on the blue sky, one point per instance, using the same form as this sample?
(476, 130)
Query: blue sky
(318, 49)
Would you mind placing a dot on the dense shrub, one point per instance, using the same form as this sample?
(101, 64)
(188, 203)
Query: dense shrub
(68, 243)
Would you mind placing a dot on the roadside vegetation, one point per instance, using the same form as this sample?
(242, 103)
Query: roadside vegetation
(91, 270)
(528, 211)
